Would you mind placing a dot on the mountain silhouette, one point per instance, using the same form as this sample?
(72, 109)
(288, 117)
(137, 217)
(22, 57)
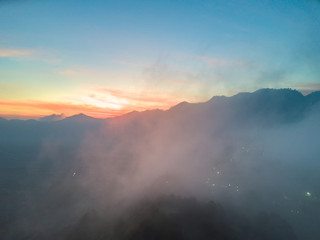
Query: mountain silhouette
(78, 117)
(264, 107)
(53, 117)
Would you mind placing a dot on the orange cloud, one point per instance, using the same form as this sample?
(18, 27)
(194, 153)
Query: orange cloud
(125, 102)
(97, 102)
(143, 97)
(39, 108)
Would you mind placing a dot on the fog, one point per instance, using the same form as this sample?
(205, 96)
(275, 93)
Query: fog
(252, 153)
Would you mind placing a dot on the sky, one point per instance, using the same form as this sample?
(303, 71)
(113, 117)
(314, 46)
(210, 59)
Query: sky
(107, 58)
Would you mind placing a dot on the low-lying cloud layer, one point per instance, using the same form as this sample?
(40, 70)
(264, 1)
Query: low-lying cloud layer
(254, 152)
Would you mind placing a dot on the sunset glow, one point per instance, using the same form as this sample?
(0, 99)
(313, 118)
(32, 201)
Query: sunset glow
(112, 57)
(159, 119)
(106, 105)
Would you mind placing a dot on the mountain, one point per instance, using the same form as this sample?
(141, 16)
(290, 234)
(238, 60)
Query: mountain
(313, 97)
(262, 107)
(80, 117)
(172, 217)
(53, 117)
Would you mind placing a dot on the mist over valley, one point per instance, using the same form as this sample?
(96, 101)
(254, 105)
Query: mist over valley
(240, 167)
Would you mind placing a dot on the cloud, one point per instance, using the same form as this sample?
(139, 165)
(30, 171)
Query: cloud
(101, 102)
(214, 62)
(32, 107)
(218, 63)
(193, 150)
(307, 88)
(97, 102)
(69, 72)
(80, 71)
(50, 57)
(133, 64)
(141, 97)
(84, 74)
(9, 52)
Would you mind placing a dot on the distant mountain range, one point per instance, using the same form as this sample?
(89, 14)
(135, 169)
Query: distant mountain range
(262, 108)
(284, 104)
(53, 117)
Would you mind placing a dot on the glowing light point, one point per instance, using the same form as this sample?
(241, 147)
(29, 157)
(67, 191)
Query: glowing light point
(73, 174)
(308, 194)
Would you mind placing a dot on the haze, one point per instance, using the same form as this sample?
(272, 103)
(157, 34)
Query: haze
(141, 120)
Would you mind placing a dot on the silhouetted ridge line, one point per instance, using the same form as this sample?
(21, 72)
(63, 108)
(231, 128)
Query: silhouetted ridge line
(313, 97)
(288, 103)
(52, 117)
(78, 117)
(262, 107)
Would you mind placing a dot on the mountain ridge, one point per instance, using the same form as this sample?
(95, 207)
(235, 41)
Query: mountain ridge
(266, 97)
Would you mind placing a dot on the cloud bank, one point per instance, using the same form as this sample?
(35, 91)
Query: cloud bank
(252, 153)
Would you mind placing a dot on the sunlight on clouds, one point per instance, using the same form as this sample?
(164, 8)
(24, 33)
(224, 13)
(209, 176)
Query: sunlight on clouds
(41, 108)
(109, 102)
(137, 98)
(95, 102)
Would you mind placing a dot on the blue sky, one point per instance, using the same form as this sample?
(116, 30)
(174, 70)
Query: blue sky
(116, 56)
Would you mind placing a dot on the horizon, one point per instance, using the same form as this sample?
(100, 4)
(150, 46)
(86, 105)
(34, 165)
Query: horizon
(170, 119)
(63, 115)
(107, 58)
(253, 157)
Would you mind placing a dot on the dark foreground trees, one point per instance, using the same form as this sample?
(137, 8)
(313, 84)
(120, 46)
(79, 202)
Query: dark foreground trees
(170, 217)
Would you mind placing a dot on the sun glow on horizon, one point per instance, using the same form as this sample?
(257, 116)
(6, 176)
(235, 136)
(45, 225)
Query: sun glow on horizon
(105, 103)
(116, 59)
